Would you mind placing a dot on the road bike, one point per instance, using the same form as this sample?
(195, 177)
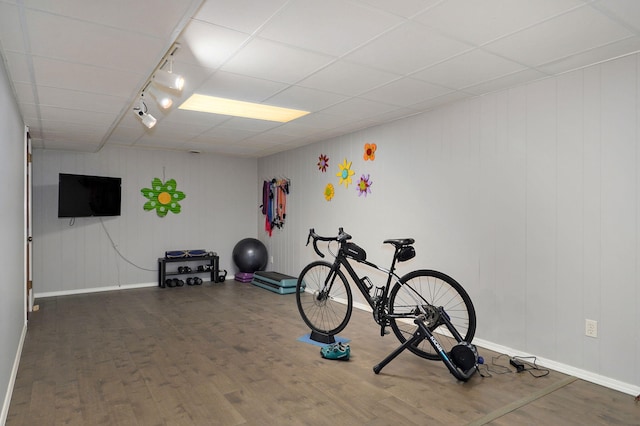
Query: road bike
(429, 312)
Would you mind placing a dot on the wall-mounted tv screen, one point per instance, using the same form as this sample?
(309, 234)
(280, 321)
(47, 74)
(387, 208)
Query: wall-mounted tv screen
(83, 196)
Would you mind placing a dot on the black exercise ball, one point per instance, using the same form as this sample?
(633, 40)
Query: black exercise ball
(250, 255)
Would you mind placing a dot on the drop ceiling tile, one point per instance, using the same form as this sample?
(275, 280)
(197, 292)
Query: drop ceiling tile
(405, 92)
(258, 143)
(85, 78)
(333, 27)
(441, 100)
(404, 8)
(248, 124)
(209, 45)
(569, 34)
(11, 39)
(141, 16)
(242, 15)
(226, 134)
(358, 108)
(240, 87)
(159, 141)
(68, 132)
(506, 81)
(195, 118)
(306, 99)
(478, 22)
(87, 118)
(123, 135)
(352, 127)
(406, 49)
(269, 137)
(18, 67)
(454, 73)
(81, 101)
(86, 43)
(592, 56)
(627, 11)
(277, 62)
(70, 145)
(394, 115)
(312, 123)
(24, 92)
(30, 114)
(348, 78)
(179, 129)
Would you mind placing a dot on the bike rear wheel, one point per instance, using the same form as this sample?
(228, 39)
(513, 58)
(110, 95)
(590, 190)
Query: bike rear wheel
(424, 291)
(326, 309)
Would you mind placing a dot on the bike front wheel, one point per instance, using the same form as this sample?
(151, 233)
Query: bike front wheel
(324, 298)
(423, 292)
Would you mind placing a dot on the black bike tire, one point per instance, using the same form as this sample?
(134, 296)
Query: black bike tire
(313, 312)
(424, 280)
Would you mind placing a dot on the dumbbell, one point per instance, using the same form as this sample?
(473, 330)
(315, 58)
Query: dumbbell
(197, 281)
(168, 282)
(190, 281)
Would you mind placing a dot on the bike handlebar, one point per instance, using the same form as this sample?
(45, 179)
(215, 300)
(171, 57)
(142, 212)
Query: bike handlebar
(342, 236)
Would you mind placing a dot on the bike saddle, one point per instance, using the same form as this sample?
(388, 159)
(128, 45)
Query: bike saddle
(400, 242)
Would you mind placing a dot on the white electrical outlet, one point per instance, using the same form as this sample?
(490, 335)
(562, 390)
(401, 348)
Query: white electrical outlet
(591, 328)
(271, 259)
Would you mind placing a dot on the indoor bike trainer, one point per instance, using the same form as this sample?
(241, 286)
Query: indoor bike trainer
(429, 312)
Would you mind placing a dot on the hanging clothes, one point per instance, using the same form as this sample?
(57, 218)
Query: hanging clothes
(274, 203)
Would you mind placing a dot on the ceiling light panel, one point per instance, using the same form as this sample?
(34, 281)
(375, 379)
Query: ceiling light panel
(215, 105)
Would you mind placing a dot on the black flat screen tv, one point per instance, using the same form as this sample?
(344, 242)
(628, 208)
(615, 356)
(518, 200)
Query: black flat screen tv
(85, 196)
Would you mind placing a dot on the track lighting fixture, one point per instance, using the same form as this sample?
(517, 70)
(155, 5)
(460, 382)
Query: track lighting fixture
(168, 78)
(163, 85)
(140, 109)
(163, 99)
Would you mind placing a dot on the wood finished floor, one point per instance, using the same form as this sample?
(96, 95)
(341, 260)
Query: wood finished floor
(228, 354)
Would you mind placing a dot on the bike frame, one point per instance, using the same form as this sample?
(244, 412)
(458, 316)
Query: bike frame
(342, 260)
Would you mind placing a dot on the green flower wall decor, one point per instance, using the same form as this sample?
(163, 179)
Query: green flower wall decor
(163, 197)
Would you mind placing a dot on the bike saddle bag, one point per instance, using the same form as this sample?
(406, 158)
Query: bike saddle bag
(355, 252)
(406, 253)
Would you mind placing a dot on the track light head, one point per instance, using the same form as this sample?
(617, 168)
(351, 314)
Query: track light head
(140, 110)
(163, 99)
(169, 79)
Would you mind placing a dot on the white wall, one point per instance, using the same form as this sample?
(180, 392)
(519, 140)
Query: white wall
(220, 208)
(528, 197)
(12, 229)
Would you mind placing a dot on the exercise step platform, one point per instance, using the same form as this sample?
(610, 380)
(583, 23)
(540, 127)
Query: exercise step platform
(275, 281)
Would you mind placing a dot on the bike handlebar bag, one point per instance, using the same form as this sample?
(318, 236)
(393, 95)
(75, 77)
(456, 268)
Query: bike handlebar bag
(406, 253)
(355, 252)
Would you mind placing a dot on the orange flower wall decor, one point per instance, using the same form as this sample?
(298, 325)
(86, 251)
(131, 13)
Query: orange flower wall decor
(369, 151)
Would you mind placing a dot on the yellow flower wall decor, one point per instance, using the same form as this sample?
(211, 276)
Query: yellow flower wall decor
(345, 173)
(163, 197)
(369, 151)
(329, 192)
